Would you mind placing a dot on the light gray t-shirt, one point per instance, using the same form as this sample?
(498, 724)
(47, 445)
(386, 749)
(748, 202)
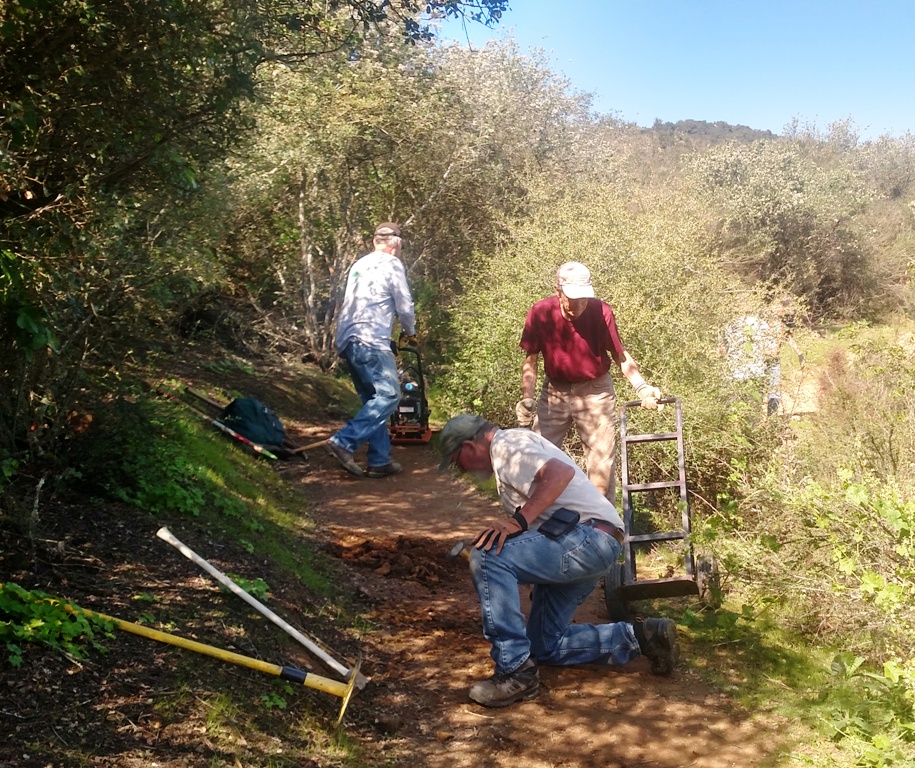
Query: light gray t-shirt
(517, 455)
(376, 289)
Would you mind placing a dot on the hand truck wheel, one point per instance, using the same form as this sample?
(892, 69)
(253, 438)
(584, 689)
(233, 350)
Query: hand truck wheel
(617, 609)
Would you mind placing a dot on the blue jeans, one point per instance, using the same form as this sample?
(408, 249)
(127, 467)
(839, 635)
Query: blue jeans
(564, 572)
(374, 374)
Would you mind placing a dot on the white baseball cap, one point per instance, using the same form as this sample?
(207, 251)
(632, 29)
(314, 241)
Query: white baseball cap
(574, 280)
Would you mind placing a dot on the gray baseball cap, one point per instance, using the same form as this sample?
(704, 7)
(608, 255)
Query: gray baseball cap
(458, 429)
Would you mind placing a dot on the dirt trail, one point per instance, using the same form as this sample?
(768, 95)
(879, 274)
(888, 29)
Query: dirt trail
(395, 533)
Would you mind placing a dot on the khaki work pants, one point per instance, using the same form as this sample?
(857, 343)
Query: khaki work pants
(591, 407)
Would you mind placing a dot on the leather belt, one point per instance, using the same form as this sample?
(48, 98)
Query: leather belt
(603, 525)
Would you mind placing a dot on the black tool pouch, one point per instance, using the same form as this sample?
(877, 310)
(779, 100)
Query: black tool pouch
(560, 523)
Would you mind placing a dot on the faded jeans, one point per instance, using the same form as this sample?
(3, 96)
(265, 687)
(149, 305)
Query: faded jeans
(374, 375)
(564, 572)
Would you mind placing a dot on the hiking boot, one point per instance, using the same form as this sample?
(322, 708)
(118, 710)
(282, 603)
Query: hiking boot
(344, 457)
(658, 642)
(385, 470)
(503, 690)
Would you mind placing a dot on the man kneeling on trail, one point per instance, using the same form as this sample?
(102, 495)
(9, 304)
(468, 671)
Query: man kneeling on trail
(561, 537)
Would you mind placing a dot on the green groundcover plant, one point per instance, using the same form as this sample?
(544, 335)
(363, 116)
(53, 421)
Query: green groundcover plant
(34, 617)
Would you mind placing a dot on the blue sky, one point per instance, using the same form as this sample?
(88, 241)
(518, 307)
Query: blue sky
(746, 62)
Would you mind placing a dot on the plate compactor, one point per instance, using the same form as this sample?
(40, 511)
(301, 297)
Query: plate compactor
(410, 422)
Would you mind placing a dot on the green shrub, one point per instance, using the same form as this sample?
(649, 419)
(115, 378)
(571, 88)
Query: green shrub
(873, 708)
(786, 212)
(149, 453)
(866, 411)
(138, 451)
(826, 534)
(670, 298)
(34, 617)
(257, 588)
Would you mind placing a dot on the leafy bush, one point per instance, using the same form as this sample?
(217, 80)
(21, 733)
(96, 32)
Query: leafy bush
(785, 212)
(873, 708)
(843, 555)
(144, 452)
(34, 617)
(669, 296)
(830, 528)
(257, 588)
(866, 411)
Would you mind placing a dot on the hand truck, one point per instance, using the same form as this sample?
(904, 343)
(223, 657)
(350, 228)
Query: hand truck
(621, 583)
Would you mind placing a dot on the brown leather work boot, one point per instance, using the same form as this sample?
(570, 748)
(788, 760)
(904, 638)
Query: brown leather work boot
(503, 690)
(386, 470)
(344, 457)
(658, 642)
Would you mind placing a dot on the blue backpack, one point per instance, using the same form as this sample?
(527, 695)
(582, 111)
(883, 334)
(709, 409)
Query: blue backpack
(256, 421)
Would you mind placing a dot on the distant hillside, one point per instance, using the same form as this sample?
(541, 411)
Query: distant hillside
(705, 132)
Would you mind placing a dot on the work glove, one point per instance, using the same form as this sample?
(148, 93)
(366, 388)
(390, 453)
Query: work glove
(406, 340)
(497, 534)
(525, 410)
(649, 396)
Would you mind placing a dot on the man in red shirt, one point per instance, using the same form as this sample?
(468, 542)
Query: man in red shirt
(577, 336)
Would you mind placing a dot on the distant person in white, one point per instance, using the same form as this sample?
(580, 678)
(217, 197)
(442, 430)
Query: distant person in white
(376, 291)
(753, 347)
